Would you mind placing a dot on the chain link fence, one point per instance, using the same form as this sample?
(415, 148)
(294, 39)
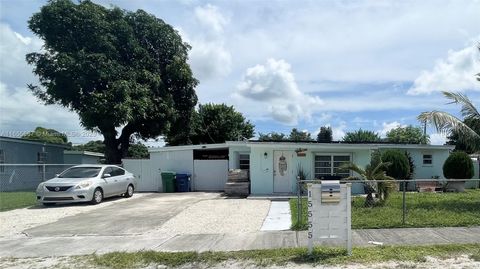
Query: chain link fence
(403, 203)
(26, 177)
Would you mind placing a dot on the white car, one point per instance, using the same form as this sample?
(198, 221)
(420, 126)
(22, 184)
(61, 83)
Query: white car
(86, 183)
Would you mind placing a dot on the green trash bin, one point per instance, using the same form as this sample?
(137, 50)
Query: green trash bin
(168, 181)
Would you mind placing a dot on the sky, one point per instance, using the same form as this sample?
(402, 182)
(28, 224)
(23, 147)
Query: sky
(373, 65)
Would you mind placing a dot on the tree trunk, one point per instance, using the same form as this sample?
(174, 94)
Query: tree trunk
(117, 148)
(112, 152)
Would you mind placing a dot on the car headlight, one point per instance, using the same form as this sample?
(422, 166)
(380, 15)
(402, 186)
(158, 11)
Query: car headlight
(83, 185)
(40, 186)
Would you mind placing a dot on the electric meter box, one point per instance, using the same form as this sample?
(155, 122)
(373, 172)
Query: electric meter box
(329, 214)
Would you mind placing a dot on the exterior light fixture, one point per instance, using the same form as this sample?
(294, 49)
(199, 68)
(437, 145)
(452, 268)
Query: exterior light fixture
(265, 155)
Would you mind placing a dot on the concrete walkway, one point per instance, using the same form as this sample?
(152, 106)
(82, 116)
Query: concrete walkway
(278, 218)
(81, 245)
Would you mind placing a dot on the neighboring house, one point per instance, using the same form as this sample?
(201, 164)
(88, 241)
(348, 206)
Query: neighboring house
(15, 153)
(82, 157)
(273, 165)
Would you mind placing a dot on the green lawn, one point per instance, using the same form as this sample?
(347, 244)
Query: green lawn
(321, 255)
(423, 210)
(14, 200)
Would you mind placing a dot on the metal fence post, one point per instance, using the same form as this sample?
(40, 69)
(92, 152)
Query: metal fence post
(404, 202)
(299, 203)
(44, 171)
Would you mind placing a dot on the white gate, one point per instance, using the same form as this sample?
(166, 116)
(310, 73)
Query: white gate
(210, 175)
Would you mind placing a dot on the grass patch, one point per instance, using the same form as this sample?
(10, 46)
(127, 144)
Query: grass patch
(14, 200)
(363, 255)
(423, 210)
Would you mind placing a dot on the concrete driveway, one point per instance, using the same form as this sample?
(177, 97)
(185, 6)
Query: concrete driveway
(134, 217)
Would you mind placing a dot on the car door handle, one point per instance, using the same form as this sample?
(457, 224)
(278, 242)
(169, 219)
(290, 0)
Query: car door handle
(115, 180)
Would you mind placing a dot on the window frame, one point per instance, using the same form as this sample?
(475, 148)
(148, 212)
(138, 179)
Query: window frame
(240, 159)
(332, 162)
(424, 159)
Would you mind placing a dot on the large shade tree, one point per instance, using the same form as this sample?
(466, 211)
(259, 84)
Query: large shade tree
(448, 123)
(407, 135)
(213, 123)
(118, 70)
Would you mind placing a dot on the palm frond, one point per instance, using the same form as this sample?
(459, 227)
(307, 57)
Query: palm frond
(353, 167)
(445, 123)
(468, 109)
(381, 167)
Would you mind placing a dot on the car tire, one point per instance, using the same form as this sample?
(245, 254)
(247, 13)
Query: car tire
(97, 196)
(48, 204)
(129, 192)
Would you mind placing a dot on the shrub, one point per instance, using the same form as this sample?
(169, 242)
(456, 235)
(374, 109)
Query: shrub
(458, 166)
(399, 167)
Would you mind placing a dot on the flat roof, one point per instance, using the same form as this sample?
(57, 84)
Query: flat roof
(31, 141)
(84, 152)
(317, 145)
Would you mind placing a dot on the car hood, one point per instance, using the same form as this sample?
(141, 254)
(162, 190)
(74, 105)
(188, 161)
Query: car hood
(66, 181)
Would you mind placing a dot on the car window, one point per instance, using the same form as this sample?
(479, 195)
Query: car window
(108, 170)
(80, 172)
(117, 171)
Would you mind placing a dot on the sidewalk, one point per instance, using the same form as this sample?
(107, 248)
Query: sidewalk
(81, 245)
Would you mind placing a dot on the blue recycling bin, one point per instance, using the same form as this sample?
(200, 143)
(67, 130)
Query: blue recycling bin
(182, 183)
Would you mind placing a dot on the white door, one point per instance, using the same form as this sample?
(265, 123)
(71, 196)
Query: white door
(210, 175)
(282, 171)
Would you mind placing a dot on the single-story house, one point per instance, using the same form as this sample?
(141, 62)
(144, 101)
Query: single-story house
(82, 157)
(272, 166)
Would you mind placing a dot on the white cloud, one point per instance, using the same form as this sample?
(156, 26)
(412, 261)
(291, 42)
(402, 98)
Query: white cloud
(387, 126)
(14, 70)
(438, 139)
(273, 84)
(211, 18)
(455, 73)
(209, 56)
(338, 132)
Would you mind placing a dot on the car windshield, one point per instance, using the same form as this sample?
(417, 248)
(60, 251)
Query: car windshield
(80, 172)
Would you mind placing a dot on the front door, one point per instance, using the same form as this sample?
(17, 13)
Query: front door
(282, 171)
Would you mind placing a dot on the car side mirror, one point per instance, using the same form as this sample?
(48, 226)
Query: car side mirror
(106, 175)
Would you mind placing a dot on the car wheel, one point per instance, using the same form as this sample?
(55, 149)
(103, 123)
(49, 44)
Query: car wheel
(97, 196)
(129, 192)
(48, 204)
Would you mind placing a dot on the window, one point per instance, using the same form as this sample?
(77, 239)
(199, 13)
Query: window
(107, 170)
(329, 165)
(2, 161)
(427, 159)
(117, 172)
(244, 161)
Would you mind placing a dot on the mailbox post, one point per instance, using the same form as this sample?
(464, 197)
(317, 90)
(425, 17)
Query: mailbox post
(329, 214)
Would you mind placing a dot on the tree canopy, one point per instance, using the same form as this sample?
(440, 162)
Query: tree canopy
(93, 146)
(47, 135)
(136, 150)
(297, 135)
(325, 134)
(213, 123)
(455, 136)
(272, 136)
(115, 69)
(407, 135)
(361, 136)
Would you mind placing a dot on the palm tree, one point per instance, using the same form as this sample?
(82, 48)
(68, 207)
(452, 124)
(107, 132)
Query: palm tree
(447, 123)
(373, 172)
